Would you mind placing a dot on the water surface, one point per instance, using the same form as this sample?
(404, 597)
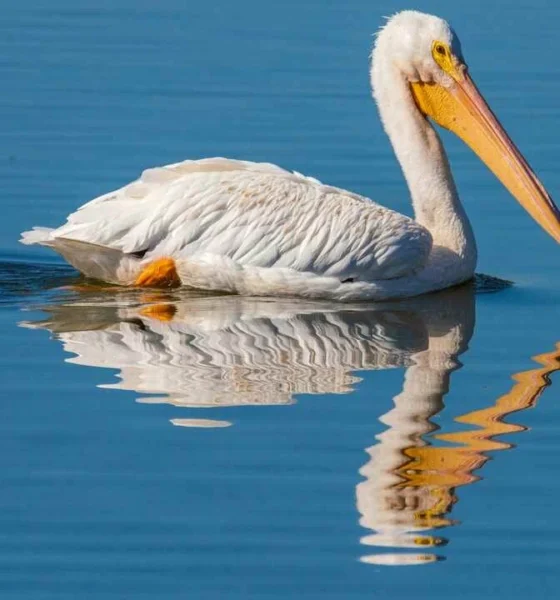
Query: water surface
(165, 445)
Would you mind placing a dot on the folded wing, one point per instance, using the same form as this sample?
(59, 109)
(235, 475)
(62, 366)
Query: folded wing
(255, 214)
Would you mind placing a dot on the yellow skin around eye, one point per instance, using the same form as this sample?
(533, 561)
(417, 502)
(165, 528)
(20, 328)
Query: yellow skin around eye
(446, 61)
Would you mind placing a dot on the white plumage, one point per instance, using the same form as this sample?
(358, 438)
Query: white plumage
(257, 229)
(241, 227)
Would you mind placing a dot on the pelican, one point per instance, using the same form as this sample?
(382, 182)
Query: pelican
(256, 229)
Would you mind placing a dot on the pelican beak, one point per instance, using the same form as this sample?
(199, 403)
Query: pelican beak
(462, 109)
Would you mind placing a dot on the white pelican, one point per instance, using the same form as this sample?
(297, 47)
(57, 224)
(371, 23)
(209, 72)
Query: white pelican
(256, 229)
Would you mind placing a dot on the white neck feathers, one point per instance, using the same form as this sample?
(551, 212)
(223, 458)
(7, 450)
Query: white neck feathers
(423, 161)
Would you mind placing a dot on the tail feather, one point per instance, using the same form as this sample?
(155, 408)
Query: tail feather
(93, 260)
(38, 235)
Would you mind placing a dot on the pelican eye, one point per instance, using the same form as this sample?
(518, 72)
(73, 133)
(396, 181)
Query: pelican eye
(446, 61)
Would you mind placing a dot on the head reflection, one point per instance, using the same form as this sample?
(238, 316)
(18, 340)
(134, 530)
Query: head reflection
(223, 351)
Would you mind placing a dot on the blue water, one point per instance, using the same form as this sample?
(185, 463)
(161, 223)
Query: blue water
(172, 446)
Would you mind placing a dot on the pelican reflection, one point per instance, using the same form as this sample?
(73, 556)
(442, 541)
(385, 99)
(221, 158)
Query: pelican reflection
(228, 350)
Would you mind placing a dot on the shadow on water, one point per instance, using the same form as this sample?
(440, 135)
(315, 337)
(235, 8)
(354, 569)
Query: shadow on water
(195, 350)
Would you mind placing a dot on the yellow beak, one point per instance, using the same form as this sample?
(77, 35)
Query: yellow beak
(462, 109)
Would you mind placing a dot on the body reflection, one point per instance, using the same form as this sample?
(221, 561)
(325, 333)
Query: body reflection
(224, 350)
(228, 350)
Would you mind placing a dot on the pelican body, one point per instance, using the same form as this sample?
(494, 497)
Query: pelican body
(256, 229)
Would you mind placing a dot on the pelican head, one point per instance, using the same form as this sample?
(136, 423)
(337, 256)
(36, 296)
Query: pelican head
(424, 52)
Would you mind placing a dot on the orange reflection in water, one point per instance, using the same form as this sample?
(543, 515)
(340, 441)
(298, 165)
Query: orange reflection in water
(428, 479)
